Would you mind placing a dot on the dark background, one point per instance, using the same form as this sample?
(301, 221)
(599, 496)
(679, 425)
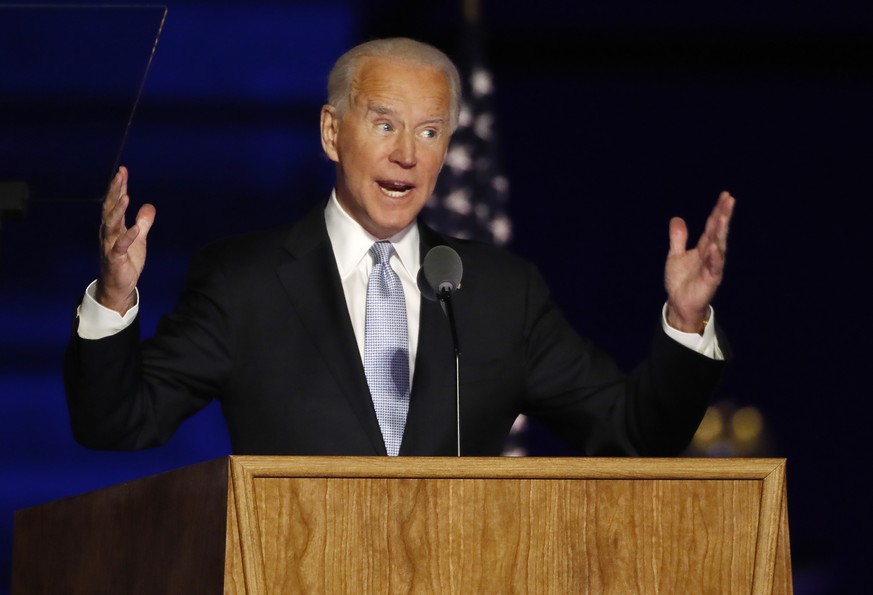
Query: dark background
(613, 117)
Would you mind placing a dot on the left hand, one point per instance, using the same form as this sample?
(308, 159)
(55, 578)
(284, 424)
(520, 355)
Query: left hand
(692, 276)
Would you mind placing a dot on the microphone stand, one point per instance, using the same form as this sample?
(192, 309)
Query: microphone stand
(445, 296)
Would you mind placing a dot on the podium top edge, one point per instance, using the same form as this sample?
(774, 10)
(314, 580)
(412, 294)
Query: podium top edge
(507, 467)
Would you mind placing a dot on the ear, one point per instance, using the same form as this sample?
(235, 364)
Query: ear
(329, 130)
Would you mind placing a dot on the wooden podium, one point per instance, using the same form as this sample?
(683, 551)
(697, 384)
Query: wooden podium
(418, 525)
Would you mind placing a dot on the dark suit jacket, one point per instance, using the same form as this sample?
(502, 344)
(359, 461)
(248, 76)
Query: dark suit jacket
(263, 326)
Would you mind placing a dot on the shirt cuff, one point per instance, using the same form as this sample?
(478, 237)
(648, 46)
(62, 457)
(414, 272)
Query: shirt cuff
(97, 321)
(705, 344)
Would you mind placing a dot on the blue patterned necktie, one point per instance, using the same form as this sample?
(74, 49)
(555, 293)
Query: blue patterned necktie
(386, 347)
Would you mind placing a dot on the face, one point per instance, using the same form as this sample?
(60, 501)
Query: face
(390, 144)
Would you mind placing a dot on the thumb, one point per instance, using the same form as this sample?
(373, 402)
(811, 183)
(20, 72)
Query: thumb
(145, 218)
(678, 236)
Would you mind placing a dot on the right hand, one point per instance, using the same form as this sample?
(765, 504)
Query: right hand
(123, 249)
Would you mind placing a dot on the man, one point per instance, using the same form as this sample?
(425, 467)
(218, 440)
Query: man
(277, 325)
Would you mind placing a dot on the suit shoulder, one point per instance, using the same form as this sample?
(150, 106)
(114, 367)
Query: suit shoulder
(267, 245)
(243, 246)
(490, 257)
(244, 256)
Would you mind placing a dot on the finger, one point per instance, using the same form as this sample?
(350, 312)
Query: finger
(678, 236)
(114, 205)
(124, 242)
(728, 203)
(724, 206)
(721, 216)
(117, 188)
(144, 220)
(716, 228)
(714, 262)
(113, 219)
(122, 172)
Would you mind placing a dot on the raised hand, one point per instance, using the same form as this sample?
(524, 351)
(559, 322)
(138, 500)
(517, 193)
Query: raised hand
(123, 249)
(691, 277)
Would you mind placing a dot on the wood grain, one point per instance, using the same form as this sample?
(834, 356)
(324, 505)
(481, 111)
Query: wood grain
(559, 526)
(155, 535)
(262, 525)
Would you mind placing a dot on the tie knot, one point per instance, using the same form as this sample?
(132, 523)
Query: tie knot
(382, 251)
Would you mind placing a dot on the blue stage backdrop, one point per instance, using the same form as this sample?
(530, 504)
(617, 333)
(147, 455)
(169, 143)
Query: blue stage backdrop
(611, 117)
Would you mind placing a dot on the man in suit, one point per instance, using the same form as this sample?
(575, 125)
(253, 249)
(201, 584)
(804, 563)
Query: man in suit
(276, 324)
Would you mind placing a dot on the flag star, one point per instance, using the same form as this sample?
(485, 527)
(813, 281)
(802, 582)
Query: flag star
(501, 228)
(465, 116)
(480, 82)
(458, 158)
(483, 125)
(459, 201)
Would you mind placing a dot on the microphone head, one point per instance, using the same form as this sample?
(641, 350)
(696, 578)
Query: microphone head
(440, 272)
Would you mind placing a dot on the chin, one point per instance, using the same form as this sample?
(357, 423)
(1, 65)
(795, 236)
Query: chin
(393, 225)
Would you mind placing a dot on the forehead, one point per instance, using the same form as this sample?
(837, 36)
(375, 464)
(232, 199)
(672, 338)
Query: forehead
(400, 84)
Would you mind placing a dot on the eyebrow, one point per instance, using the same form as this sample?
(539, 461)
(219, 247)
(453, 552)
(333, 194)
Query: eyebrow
(442, 120)
(381, 109)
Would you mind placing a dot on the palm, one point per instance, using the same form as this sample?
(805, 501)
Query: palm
(691, 277)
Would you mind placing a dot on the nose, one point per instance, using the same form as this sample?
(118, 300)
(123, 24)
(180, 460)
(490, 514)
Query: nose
(404, 150)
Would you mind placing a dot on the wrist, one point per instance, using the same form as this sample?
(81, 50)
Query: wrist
(117, 301)
(688, 322)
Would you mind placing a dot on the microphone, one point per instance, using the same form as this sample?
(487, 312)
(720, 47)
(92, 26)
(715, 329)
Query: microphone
(439, 277)
(440, 273)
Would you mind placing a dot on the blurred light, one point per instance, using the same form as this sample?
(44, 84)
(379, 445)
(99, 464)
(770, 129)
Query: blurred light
(519, 424)
(710, 427)
(747, 424)
(515, 446)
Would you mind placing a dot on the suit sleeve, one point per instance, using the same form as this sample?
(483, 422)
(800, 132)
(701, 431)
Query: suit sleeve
(126, 394)
(580, 393)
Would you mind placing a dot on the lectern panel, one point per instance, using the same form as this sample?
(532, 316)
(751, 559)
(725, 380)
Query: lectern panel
(527, 535)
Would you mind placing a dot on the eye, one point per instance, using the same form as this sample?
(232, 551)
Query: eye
(430, 133)
(384, 127)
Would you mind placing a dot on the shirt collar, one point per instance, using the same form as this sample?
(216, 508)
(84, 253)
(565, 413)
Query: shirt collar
(351, 242)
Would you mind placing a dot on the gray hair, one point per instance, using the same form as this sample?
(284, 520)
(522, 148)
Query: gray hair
(339, 82)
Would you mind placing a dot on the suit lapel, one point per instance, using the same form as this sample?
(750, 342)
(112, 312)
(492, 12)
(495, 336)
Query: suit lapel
(311, 280)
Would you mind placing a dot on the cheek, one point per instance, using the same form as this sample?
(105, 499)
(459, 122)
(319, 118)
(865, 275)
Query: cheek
(434, 164)
(437, 155)
(357, 166)
(365, 158)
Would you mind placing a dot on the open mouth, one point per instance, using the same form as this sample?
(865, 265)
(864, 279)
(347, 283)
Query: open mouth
(395, 189)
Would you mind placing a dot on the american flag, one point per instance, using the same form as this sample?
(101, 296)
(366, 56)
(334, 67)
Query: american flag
(471, 194)
(470, 197)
